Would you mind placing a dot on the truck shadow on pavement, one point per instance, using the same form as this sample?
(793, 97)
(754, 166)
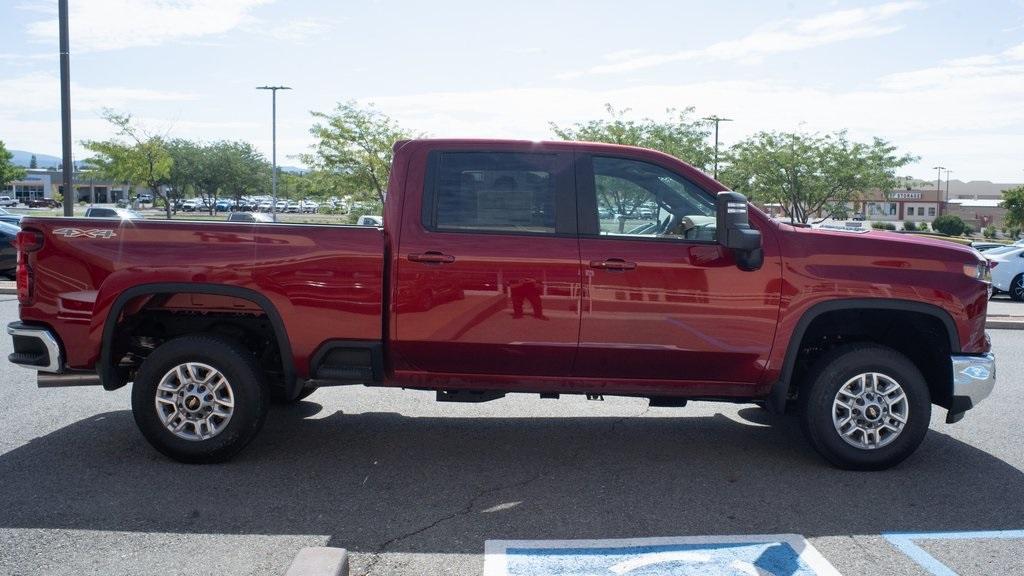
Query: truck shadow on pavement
(383, 482)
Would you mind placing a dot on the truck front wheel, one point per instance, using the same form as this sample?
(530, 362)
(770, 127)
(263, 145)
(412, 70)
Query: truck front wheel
(865, 407)
(199, 399)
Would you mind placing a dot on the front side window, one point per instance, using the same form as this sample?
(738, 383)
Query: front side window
(494, 192)
(638, 199)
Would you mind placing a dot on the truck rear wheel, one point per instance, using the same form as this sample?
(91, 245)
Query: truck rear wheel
(865, 407)
(199, 399)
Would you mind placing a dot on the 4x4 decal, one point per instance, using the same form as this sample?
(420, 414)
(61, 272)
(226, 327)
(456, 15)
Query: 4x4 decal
(82, 233)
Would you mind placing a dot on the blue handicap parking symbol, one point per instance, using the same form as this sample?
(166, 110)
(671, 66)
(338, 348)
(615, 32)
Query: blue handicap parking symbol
(750, 555)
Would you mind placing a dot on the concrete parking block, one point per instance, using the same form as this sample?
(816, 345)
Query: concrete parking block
(319, 561)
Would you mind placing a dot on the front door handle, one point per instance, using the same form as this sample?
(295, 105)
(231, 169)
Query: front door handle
(613, 264)
(432, 257)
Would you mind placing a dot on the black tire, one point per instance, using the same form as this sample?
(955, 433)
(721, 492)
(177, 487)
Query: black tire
(277, 395)
(236, 364)
(823, 383)
(1017, 288)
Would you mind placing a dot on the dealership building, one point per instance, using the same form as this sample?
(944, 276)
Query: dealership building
(40, 183)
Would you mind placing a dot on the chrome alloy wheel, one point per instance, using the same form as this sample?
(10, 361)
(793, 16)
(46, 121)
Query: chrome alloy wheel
(194, 401)
(870, 411)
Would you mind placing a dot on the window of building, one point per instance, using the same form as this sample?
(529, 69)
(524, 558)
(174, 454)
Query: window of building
(494, 191)
(931, 210)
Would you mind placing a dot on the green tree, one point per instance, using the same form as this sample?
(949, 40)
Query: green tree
(8, 171)
(136, 156)
(677, 135)
(949, 224)
(186, 167)
(1013, 202)
(354, 147)
(32, 163)
(809, 174)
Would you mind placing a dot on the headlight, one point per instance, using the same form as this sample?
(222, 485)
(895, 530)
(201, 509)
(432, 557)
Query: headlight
(979, 271)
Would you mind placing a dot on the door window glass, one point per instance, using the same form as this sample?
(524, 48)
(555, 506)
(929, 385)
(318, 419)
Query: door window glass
(495, 191)
(638, 199)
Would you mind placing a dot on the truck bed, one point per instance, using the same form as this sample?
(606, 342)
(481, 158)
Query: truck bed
(324, 282)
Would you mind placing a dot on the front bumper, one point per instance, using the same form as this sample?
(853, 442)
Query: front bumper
(974, 377)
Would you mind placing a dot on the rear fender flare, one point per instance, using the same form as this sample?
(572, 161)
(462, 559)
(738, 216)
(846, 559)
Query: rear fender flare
(106, 368)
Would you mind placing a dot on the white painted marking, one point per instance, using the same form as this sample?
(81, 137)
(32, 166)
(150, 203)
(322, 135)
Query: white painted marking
(659, 558)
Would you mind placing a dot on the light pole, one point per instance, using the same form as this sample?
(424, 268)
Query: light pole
(948, 172)
(938, 183)
(65, 109)
(273, 145)
(716, 120)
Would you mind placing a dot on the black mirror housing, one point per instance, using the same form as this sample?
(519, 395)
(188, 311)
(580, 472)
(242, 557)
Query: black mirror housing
(734, 231)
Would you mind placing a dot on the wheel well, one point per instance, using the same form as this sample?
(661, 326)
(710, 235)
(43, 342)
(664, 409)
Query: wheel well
(922, 337)
(139, 322)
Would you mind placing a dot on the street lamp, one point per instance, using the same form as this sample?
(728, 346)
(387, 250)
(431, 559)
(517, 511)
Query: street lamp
(716, 120)
(273, 155)
(938, 182)
(948, 172)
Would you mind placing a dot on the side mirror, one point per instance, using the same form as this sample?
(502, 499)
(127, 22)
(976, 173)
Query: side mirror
(734, 231)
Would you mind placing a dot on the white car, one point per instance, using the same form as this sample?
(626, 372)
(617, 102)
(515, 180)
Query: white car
(8, 201)
(366, 220)
(1007, 265)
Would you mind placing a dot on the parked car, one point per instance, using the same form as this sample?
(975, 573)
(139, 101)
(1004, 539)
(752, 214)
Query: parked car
(120, 213)
(309, 206)
(249, 217)
(983, 246)
(1007, 265)
(42, 203)
(224, 205)
(145, 198)
(370, 221)
(859, 217)
(10, 217)
(195, 205)
(7, 201)
(8, 253)
(863, 331)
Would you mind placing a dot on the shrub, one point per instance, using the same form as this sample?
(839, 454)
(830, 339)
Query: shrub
(990, 232)
(949, 224)
(883, 226)
(968, 231)
(910, 226)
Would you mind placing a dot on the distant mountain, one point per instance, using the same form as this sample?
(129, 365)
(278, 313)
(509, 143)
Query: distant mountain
(24, 159)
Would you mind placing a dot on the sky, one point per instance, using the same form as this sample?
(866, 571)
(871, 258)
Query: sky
(941, 79)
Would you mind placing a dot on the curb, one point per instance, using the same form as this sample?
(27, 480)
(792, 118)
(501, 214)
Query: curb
(1005, 323)
(319, 561)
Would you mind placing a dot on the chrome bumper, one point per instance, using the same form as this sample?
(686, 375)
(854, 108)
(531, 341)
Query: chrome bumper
(35, 347)
(973, 378)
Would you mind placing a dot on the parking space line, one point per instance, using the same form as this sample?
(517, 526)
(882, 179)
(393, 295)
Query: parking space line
(904, 542)
(754, 554)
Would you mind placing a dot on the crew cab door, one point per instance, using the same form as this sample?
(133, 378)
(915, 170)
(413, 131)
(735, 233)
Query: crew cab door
(662, 299)
(488, 273)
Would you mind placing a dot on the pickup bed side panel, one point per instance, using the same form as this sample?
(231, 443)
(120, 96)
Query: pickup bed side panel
(324, 281)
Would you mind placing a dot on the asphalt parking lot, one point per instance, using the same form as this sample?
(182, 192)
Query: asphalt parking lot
(415, 487)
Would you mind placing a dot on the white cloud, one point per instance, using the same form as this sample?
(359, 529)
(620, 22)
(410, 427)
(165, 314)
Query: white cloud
(296, 30)
(40, 92)
(966, 116)
(97, 25)
(774, 38)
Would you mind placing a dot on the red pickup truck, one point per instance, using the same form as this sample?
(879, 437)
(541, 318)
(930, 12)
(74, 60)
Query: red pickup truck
(511, 266)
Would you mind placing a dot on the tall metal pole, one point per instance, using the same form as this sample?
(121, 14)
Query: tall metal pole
(273, 146)
(948, 172)
(68, 162)
(716, 120)
(938, 184)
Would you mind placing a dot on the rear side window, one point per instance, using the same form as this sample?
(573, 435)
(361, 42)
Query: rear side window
(493, 192)
(102, 213)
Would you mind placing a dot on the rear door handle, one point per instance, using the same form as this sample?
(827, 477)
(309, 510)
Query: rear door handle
(432, 257)
(614, 264)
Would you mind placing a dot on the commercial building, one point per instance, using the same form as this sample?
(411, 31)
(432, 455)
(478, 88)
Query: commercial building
(42, 183)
